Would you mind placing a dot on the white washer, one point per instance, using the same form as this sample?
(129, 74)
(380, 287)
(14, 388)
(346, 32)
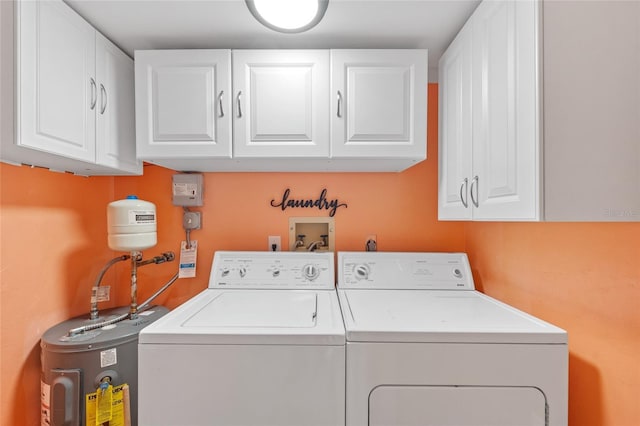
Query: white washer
(263, 345)
(423, 347)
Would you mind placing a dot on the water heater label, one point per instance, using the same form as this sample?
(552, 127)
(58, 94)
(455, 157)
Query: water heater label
(142, 217)
(108, 357)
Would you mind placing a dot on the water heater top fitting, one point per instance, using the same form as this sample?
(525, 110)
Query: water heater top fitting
(131, 224)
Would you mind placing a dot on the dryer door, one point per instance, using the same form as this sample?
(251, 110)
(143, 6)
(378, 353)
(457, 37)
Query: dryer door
(457, 406)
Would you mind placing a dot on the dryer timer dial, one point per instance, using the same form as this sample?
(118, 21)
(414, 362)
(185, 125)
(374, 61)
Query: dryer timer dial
(362, 271)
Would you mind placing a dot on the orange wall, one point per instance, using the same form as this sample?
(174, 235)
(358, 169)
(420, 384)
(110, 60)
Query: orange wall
(585, 278)
(53, 244)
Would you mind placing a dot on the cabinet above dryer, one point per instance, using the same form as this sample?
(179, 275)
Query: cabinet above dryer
(282, 110)
(531, 128)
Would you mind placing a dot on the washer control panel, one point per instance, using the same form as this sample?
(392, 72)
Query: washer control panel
(384, 270)
(276, 270)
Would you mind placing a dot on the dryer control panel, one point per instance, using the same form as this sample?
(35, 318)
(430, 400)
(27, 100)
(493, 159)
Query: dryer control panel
(386, 270)
(274, 270)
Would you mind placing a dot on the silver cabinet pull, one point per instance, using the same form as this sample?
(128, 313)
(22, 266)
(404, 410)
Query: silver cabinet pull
(239, 105)
(339, 104)
(103, 97)
(475, 183)
(94, 94)
(220, 103)
(464, 199)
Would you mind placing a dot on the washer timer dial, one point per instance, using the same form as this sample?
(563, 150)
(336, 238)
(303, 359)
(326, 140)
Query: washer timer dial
(310, 271)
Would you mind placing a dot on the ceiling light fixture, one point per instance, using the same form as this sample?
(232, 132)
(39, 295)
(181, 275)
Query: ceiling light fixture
(288, 16)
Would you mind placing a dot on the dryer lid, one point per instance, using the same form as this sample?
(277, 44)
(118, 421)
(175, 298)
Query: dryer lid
(439, 316)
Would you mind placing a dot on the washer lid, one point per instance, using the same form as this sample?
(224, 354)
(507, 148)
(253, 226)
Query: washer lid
(439, 316)
(263, 317)
(259, 310)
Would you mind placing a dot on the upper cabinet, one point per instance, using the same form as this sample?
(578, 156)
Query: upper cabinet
(183, 108)
(289, 110)
(280, 103)
(73, 100)
(115, 123)
(530, 131)
(379, 105)
(455, 128)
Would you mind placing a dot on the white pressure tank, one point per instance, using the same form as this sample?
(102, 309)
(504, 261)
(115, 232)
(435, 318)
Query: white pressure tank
(131, 224)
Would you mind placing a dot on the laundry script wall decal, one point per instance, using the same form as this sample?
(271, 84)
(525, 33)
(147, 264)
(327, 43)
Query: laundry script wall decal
(320, 203)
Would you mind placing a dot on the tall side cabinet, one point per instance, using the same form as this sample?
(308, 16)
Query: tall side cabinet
(591, 110)
(455, 127)
(530, 128)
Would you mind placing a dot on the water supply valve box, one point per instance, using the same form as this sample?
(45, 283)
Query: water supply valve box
(187, 190)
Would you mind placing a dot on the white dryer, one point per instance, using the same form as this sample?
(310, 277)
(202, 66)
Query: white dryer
(425, 348)
(263, 345)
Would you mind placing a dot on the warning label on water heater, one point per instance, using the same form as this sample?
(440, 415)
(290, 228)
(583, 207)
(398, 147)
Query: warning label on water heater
(142, 217)
(108, 357)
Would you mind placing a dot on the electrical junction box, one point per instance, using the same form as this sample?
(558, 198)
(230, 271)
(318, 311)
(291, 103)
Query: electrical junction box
(187, 190)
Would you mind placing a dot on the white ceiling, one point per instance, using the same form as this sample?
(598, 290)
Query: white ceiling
(197, 24)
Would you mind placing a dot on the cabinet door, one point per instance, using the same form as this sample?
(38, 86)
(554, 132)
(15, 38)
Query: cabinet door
(115, 125)
(281, 103)
(454, 162)
(57, 92)
(183, 103)
(379, 103)
(505, 181)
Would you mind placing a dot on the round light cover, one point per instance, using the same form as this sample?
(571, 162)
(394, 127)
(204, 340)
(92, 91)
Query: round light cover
(288, 16)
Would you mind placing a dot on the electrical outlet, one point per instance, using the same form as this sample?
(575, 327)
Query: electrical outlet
(274, 243)
(371, 244)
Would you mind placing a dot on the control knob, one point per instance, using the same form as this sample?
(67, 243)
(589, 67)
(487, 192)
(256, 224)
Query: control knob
(457, 273)
(362, 272)
(310, 271)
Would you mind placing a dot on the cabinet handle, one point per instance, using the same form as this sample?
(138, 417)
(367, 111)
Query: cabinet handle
(94, 94)
(239, 105)
(103, 97)
(475, 182)
(220, 103)
(465, 201)
(339, 104)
